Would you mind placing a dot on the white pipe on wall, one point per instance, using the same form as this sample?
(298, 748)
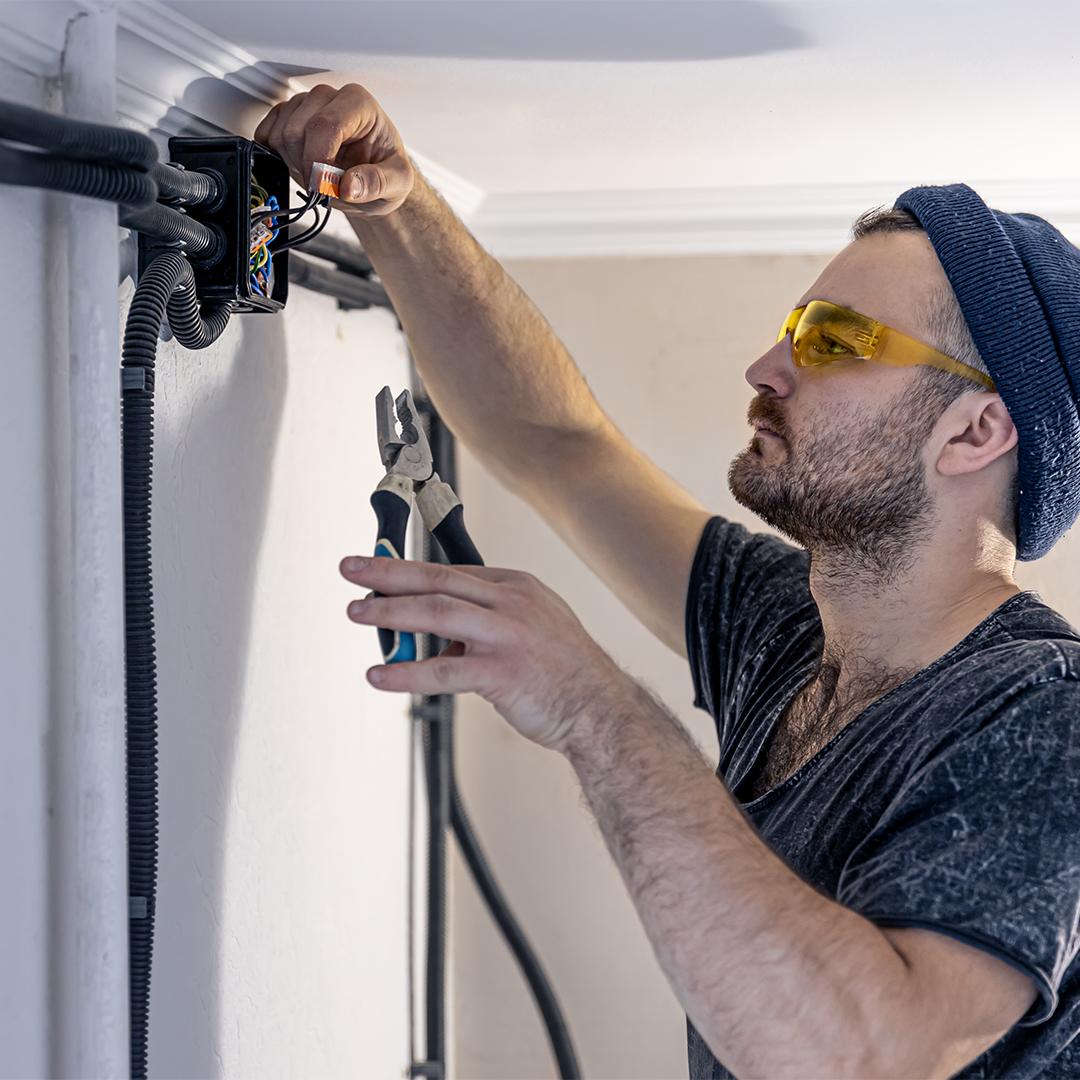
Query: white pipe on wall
(90, 957)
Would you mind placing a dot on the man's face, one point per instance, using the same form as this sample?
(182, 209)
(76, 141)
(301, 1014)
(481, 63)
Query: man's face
(845, 474)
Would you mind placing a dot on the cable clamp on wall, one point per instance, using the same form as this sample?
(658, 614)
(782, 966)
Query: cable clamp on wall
(427, 711)
(137, 378)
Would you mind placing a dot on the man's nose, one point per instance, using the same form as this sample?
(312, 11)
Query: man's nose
(774, 370)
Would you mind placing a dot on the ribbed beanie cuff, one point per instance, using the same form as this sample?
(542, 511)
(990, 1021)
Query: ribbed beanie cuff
(1017, 280)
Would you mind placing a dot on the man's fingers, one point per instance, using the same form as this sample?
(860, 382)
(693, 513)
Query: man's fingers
(345, 127)
(273, 124)
(446, 616)
(439, 675)
(349, 115)
(294, 131)
(266, 125)
(396, 577)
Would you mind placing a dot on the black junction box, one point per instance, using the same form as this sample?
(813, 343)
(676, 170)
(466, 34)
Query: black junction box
(236, 160)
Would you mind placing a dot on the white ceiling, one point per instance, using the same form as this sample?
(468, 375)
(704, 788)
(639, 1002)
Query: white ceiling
(551, 95)
(581, 122)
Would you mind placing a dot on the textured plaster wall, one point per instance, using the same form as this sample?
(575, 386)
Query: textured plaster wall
(665, 344)
(27, 582)
(281, 945)
(282, 913)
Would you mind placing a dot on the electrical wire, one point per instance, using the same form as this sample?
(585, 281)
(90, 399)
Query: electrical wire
(445, 808)
(313, 231)
(284, 217)
(266, 210)
(260, 269)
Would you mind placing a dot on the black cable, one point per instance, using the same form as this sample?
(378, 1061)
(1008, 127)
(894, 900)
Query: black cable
(308, 234)
(317, 276)
(286, 217)
(165, 223)
(102, 144)
(437, 735)
(108, 181)
(437, 713)
(347, 256)
(166, 287)
(558, 1033)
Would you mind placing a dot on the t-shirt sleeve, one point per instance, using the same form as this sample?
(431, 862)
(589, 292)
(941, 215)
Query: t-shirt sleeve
(983, 841)
(745, 588)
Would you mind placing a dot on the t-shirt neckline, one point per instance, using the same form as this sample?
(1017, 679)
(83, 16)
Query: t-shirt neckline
(812, 764)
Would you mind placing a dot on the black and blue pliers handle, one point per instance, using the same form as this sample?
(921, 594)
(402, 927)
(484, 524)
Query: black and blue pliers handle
(410, 476)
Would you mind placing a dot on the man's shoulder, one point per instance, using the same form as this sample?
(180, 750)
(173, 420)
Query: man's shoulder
(1017, 679)
(1027, 619)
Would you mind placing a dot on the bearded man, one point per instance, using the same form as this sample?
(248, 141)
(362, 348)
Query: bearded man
(882, 876)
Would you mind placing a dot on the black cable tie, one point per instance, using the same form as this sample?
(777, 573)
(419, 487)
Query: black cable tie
(427, 1068)
(427, 711)
(137, 378)
(137, 907)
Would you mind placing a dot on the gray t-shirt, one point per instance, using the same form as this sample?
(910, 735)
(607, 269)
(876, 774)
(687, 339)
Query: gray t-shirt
(951, 803)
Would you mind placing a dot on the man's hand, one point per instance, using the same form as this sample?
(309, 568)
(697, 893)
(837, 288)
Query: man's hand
(345, 127)
(517, 643)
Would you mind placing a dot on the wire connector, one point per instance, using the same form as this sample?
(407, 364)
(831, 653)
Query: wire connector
(326, 179)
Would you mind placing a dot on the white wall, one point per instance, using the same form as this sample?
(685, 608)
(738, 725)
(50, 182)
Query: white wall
(281, 945)
(281, 940)
(26, 585)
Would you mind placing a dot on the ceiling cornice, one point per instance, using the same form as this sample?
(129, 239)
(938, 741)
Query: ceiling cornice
(176, 78)
(32, 37)
(776, 219)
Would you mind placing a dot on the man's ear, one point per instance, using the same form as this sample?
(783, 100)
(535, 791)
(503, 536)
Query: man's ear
(975, 430)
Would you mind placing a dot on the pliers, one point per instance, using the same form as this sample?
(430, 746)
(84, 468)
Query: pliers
(410, 475)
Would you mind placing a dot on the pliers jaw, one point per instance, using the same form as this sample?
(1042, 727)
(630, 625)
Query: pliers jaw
(410, 476)
(406, 454)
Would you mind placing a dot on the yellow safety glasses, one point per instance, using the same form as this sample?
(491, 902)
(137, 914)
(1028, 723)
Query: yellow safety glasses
(823, 332)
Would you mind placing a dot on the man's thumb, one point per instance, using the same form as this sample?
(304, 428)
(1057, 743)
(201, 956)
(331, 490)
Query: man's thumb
(388, 181)
(362, 183)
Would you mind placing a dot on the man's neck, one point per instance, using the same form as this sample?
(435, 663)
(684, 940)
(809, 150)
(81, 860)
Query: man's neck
(907, 624)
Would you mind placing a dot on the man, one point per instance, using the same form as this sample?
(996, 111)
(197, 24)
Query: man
(882, 878)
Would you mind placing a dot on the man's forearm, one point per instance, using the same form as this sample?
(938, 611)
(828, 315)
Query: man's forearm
(493, 365)
(778, 979)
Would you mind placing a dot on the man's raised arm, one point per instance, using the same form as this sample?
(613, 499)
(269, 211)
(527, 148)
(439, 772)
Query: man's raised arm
(494, 367)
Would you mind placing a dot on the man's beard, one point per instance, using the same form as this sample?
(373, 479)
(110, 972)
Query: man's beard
(852, 493)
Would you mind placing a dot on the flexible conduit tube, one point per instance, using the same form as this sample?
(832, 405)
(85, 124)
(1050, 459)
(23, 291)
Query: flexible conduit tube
(444, 795)
(168, 224)
(76, 138)
(166, 286)
(115, 183)
(191, 188)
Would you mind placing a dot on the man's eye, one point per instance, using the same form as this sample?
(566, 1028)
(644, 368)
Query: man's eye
(831, 346)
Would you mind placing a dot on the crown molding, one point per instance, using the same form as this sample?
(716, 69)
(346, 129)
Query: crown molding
(175, 77)
(32, 35)
(775, 219)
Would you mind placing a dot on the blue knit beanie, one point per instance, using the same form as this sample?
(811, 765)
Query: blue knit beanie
(1018, 283)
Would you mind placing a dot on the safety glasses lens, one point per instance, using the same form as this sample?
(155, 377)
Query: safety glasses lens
(823, 333)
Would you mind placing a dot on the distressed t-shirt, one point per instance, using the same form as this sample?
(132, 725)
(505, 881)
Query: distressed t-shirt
(952, 803)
